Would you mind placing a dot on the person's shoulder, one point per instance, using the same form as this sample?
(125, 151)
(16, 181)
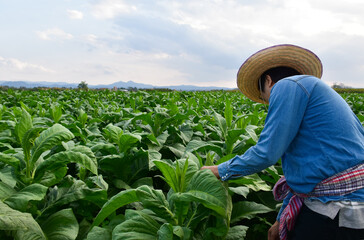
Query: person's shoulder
(304, 82)
(300, 79)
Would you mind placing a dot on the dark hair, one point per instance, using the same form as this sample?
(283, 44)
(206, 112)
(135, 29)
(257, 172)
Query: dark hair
(276, 74)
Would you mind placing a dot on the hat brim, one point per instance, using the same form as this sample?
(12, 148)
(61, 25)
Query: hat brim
(286, 55)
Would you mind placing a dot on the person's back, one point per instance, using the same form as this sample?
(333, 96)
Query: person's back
(330, 138)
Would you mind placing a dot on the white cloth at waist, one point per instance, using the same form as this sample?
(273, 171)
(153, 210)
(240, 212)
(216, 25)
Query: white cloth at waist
(351, 214)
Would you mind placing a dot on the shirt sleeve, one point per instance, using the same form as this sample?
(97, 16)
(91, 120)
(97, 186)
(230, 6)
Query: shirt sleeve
(288, 101)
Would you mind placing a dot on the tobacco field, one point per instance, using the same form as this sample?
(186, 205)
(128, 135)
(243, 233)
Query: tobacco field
(126, 165)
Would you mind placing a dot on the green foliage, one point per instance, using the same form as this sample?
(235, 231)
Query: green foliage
(126, 165)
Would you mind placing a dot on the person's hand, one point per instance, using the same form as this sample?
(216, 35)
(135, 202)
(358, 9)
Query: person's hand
(213, 169)
(273, 232)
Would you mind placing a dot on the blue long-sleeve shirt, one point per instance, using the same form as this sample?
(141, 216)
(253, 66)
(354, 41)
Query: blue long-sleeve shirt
(312, 129)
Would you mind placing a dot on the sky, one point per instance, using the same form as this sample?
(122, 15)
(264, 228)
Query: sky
(170, 42)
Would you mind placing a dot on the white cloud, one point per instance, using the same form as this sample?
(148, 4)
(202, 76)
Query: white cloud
(18, 65)
(74, 14)
(111, 8)
(54, 33)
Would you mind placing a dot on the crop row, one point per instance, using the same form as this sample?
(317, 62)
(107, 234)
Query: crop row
(125, 165)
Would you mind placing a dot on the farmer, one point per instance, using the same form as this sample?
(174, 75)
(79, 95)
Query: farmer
(318, 138)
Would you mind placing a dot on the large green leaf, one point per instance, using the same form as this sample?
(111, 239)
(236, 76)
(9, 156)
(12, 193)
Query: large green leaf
(183, 233)
(8, 176)
(250, 130)
(205, 188)
(221, 122)
(253, 182)
(33, 192)
(165, 232)
(98, 233)
(127, 140)
(24, 124)
(70, 190)
(63, 158)
(154, 200)
(5, 191)
(237, 232)
(51, 178)
(232, 136)
(28, 140)
(119, 200)
(104, 148)
(113, 133)
(62, 225)
(247, 210)
(169, 174)
(48, 139)
(9, 159)
(240, 190)
(56, 112)
(138, 225)
(23, 223)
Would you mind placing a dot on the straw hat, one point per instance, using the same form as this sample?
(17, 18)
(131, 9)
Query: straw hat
(286, 55)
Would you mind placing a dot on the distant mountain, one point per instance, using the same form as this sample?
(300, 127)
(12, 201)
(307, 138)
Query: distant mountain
(129, 84)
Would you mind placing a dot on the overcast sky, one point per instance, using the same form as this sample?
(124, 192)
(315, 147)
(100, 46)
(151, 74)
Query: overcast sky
(168, 42)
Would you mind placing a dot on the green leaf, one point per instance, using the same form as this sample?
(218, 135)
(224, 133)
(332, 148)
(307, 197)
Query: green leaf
(185, 133)
(250, 130)
(19, 200)
(119, 200)
(62, 225)
(127, 140)
(71, 190)
(197, 145)
(237, 232)
(205, 188)
(232, 136)
(228, 113)
(241, 190)
(139, 225)
(8, 177)
(98, 233)
(5, 191)
(169, 174)
(9, 159)
(82, 117)
(165, 232)
(113, 133)
(63, 158)
(56, 112)
(23, 223)
(154, 200)
(178, 149)
(48, 139)
(51, 178)
(24, 124)
(143, 181)
(182, 232)
(253, 182)
(221, 122)
(105, 149)
(247, 210)
(152, 156)
(28, 140)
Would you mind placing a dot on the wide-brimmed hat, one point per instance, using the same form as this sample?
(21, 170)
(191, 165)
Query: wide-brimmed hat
(285, 55)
